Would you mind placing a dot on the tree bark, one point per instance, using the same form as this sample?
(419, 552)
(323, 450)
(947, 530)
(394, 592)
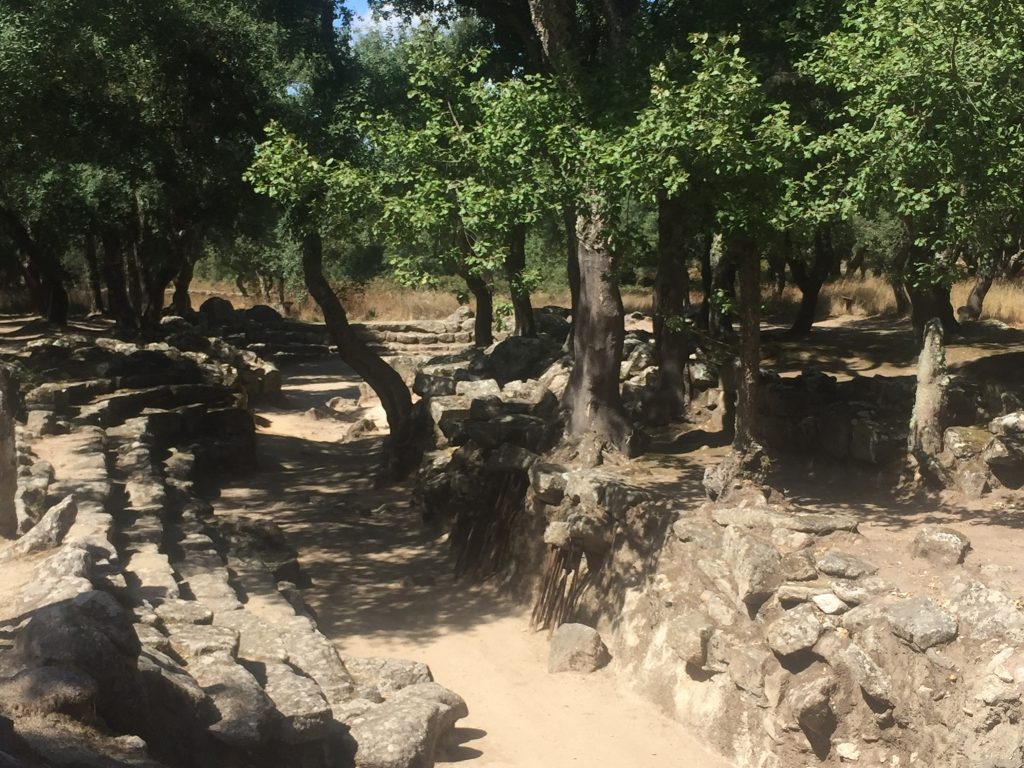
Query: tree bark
(745, 437)
(47, 266)
(927, 425)
(182, 300)
(929, 302)
(483, 322)
(810, 281)
(707, 280)
(723, 274)
(8, 456)
(592, 399)
(92, 264)
(113, 275)
(515, 265)
(671, 303)
(901, 297)
(572, 270)
(382, 378)
(136, 295)
(972, 309)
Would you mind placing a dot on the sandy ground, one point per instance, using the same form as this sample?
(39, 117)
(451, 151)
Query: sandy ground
(381, 587)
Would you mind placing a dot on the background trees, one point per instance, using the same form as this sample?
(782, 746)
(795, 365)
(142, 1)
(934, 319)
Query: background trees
(716, 144)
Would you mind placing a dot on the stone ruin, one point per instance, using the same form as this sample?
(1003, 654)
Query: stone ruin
(143, 628)
(759, 625)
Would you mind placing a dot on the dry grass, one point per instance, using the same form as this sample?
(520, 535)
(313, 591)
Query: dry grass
(874, 296)
(380, 300)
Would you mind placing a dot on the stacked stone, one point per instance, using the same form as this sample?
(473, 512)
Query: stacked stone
(153, 631)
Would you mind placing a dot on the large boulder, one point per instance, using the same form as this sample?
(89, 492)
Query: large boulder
(93, 635)
(406, 730)
(518, 358)
(218, 311)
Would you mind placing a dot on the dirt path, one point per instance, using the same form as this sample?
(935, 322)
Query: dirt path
(381, 587)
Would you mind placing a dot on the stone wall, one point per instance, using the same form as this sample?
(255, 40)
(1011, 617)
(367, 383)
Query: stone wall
(145, 629)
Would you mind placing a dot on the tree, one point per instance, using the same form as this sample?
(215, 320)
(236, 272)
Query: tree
(160, 108)
(929, 131)
(332, 196)
(713, 142)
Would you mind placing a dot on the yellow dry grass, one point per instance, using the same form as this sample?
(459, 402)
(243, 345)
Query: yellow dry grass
(380, 300)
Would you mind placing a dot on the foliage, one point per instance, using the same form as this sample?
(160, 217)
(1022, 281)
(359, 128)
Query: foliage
(930, 126)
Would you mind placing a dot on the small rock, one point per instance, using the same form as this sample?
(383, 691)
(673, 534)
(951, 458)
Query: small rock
(941, 545)
(829, 603)
(576, 648)
(47, 533)
(798, 566)
(848, 751)
(796, 630)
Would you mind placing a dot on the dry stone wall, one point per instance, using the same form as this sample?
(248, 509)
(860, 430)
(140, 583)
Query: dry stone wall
(148, 630)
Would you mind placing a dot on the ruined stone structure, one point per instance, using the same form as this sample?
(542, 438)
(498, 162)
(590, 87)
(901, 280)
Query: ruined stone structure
(148, 630)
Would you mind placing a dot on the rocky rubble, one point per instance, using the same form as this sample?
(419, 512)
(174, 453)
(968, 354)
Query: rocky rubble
(153, 631)
(763, 627)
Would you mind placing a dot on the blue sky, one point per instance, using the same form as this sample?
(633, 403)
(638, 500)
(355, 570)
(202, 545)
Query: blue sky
(356, 6)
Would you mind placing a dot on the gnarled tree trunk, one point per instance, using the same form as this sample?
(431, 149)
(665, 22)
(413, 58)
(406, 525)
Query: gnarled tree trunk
(972, 309)
(515, 266)
(382, 378)
(47, 267)
(572, 270)
(8, 456)
(671, 303)
(182, 300)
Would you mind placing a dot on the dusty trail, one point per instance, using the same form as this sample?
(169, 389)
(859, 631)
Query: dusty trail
(382, 588)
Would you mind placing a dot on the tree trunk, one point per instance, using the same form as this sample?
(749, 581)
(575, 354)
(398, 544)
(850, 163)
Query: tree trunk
(483, 322)
(810, 281)
(515, 265)
(927, 425)
(899, 292)
(113, 275)
(706, 282)
(382, 378)
(46, 266)
(592, 399)
(748, 386)
(182, 300)
(136, 295)
(8, 456)
(972, 310)
(857, 263)
(572, 270)
(723, 276)
(929, 302)
(92, 264)
(671, 303)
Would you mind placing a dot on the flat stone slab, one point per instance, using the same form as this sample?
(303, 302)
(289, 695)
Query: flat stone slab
(191, 641)
(303, 714)
(920, 622)
(844, 566)
(246, 713)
